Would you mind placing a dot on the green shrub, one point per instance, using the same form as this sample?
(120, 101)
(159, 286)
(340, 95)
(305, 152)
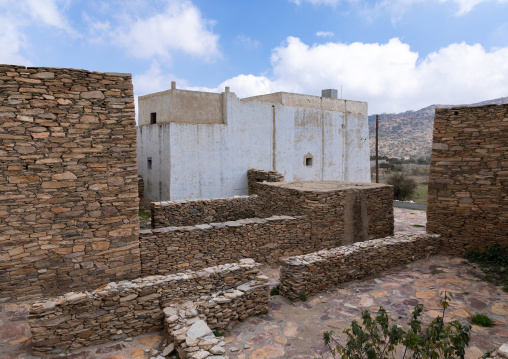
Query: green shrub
(494, 263)
(482, 320)
(275, 290)
(218, 333)
(377, 339)
(403, 186)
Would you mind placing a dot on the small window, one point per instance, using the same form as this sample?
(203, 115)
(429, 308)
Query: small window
(308, 159)
(153, 118)
(149, 163)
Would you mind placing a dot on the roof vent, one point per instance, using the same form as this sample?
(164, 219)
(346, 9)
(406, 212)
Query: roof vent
(330, 93)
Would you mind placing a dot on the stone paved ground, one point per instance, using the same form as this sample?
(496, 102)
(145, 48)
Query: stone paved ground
(294, 330)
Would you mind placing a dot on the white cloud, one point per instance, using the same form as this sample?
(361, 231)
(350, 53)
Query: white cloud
(16, 16)
(324, 34)
(317, 2)
(179, 27)
(48, 12)
(246, 42)
(398, 7)
(390, 77)
(11, 42)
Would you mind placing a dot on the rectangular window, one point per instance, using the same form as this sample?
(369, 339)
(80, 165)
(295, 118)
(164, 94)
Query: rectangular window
(308, 161)
(153, 118)
(149, 163)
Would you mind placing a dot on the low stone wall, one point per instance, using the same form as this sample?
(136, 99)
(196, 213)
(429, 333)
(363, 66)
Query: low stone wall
(315, 272)
(173, 249)
(256, 176)
(126, 308)
(189, 326)
(200, 211)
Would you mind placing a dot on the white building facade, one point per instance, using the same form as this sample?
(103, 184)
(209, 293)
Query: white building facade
(200, 145)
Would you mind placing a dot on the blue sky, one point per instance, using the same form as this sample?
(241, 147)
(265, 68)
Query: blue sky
(397, 55)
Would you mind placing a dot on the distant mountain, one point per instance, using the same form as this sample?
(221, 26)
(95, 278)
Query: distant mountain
(409, 134)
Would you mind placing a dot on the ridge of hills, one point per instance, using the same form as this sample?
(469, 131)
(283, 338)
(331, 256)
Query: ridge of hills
(409, 134)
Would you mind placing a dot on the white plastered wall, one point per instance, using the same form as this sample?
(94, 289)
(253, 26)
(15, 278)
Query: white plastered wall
(211, 160)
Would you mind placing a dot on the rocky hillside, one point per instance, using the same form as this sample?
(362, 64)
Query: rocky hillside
(410, 133)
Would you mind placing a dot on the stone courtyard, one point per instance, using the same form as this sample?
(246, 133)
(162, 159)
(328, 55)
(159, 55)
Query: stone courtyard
(294, 329)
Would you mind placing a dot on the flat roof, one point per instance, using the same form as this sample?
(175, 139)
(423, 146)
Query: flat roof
(324, 186)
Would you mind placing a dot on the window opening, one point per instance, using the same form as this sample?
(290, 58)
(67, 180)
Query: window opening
(153, 118)
(149, 163)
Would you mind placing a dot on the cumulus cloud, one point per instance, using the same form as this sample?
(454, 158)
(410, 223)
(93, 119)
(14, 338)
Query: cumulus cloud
(16, 16)
(324, 34)
(398, 7)
(389, 76)
(178, 27)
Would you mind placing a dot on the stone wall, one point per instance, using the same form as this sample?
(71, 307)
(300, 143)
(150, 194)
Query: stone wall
(316, 272)
(124, 309)
(189, 325)
(173, 249)
(468, 184)
(68, 190)
(350, 212)
(200, 211)
(255, 176)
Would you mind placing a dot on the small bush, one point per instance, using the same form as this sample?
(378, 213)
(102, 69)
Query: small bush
(143, 213)
(218, 333)
(378, 339)
(403, 186)
(493, 262)
(275, 290)
(482, 320)
(303, 297)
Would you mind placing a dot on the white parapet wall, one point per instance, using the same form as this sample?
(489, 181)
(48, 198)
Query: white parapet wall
(190, 154)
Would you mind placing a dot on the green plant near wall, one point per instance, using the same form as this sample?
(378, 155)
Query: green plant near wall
(378, 339)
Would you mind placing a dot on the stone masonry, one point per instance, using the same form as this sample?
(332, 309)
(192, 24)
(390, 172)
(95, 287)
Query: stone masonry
(316, 272)
(130, 308)
(68, 190)
(351, 212)
(172, 249)
(468, 184)
(200, 211)
(255, 176)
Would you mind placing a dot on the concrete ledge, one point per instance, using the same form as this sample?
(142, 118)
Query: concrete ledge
(315, 272)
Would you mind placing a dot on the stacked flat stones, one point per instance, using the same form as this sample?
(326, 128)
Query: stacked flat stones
(189, 325)
(315, 272)
(68, 191)
(199, 211)
(172, 249)
(127, 308)
(468, 184)
(255, 176)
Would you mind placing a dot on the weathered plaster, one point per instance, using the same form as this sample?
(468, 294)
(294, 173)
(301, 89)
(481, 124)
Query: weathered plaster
(272, 132)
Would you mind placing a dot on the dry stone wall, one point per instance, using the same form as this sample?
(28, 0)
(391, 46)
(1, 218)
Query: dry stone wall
(346, 211)
(468, 184)
(200, 211)
(173, 249)
(255, 176)
(68, 190)
(189, 325)
(315, 272)
(126, 308)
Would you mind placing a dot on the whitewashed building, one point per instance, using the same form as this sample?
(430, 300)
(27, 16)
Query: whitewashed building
(200, 145)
